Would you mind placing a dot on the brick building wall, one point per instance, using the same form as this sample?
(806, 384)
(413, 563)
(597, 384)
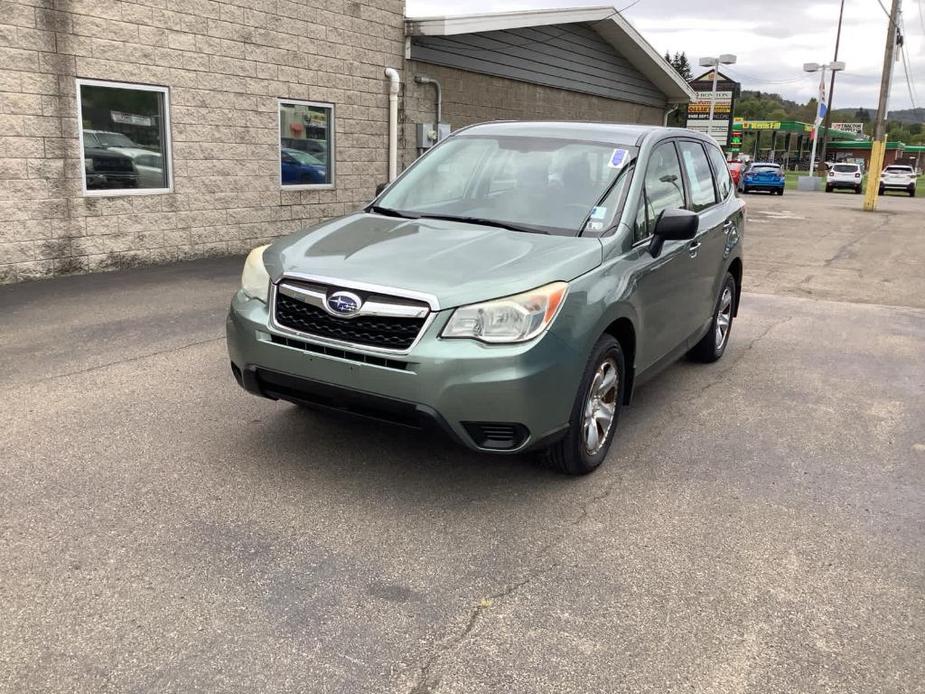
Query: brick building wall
(225, 62)
(469, 97)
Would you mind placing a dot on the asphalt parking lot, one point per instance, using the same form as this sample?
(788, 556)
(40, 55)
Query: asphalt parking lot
(757, 528)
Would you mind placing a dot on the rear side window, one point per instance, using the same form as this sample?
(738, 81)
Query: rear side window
(663, 189)
(699, 175)
(721, 172)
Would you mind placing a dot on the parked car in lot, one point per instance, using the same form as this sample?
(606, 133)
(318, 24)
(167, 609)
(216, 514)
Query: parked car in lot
(735, 170)
(513, 287)
(107, 169)
(898, 177)
(843, 176)
(297, 167)
(763, 176)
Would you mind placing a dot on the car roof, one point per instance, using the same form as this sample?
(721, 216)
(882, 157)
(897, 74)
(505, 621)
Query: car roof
(623, 133)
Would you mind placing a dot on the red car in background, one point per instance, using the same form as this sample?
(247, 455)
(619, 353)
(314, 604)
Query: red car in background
(735, 170)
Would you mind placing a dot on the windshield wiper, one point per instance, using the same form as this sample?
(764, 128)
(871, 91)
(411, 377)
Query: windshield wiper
(510, 226)
(389, 212)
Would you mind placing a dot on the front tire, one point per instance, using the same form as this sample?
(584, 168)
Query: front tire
(595, 412)
(712, 346)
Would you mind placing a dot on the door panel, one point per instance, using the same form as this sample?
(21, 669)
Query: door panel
(665, 302)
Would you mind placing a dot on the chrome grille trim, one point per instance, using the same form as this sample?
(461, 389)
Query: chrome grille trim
(311, 294)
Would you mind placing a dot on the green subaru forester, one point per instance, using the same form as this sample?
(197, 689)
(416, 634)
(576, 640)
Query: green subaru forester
(512, 287)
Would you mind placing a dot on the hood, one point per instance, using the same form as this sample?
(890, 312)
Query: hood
(458, 263)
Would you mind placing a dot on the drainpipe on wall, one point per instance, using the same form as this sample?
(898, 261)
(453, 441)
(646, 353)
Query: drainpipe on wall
(394, 85)
(668, 112)
(427, 80)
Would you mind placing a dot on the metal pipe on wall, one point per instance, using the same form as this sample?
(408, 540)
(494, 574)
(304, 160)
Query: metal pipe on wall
(394, 85)
(420, 79)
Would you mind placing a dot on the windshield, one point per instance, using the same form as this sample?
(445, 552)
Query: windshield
(542, 184)
(845, 168)
(115, 140)
(303, 157)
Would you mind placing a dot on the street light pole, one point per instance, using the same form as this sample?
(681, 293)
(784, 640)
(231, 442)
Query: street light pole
(828, 113)
(834, 66)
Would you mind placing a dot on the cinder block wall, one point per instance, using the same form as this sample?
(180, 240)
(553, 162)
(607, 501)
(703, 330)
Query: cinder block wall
(226, 63)
(470, 97)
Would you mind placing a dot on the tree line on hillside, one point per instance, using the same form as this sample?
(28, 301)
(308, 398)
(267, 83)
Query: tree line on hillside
(906, 125)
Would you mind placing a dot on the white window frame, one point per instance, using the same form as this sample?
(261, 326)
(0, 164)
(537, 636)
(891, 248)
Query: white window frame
(331, 166)
(168, 158)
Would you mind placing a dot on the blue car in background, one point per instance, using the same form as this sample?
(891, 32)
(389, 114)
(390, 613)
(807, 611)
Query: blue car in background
(301, 168)
(763, 176)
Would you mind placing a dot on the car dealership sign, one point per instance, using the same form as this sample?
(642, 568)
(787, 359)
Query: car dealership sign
(698, 111)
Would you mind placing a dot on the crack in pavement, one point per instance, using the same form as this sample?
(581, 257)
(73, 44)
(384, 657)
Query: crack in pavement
(427, 681)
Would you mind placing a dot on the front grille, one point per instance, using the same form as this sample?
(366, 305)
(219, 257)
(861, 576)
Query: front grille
(386, 333)
(112, 164)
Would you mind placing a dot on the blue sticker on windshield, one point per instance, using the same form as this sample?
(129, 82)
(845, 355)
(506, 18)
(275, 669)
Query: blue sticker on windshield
(618, 159)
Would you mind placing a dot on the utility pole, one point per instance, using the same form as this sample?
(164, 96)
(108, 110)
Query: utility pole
(828, 113)
(878, 146)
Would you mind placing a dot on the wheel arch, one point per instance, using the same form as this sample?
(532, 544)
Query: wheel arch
(735, 269)
(623, 330)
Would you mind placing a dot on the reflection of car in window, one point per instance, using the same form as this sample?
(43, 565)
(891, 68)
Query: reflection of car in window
(149, 164)
(106, 138)
(301, 168)
(108, 169)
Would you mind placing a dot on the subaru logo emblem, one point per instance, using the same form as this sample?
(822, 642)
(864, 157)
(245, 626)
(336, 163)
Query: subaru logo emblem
(344, 303)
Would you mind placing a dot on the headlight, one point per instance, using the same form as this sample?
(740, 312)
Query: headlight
(512, 319)
(254, 280)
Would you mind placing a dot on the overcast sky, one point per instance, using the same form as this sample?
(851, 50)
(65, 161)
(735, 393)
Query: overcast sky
(772, 40)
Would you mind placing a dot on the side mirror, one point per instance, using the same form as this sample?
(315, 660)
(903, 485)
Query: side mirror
(673, 225)
(380, 188)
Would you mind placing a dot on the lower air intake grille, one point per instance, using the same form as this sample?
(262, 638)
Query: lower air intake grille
(497, 436)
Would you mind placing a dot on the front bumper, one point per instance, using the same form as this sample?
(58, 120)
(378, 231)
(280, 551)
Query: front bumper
(471, 390)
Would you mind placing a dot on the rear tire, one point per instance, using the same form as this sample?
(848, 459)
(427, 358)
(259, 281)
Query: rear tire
(712, 346)
(858, 189)
(880, 191)
(828, 189)
(912, 192)
(587, 441)
(780, 191)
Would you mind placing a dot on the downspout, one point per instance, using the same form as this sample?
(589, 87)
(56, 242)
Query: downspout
(394, 85)
(427, 80)
(668, 112)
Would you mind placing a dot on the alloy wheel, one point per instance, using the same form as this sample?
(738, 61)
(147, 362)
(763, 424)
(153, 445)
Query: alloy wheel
(600, 408)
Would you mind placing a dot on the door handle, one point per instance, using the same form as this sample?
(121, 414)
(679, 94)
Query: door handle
(728, 226)
(692, 248)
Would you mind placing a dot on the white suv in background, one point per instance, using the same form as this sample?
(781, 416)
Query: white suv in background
(898, 177)
(843, 176)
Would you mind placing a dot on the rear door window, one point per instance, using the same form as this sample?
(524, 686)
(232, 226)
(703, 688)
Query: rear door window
(699, 175)
(721, 172)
